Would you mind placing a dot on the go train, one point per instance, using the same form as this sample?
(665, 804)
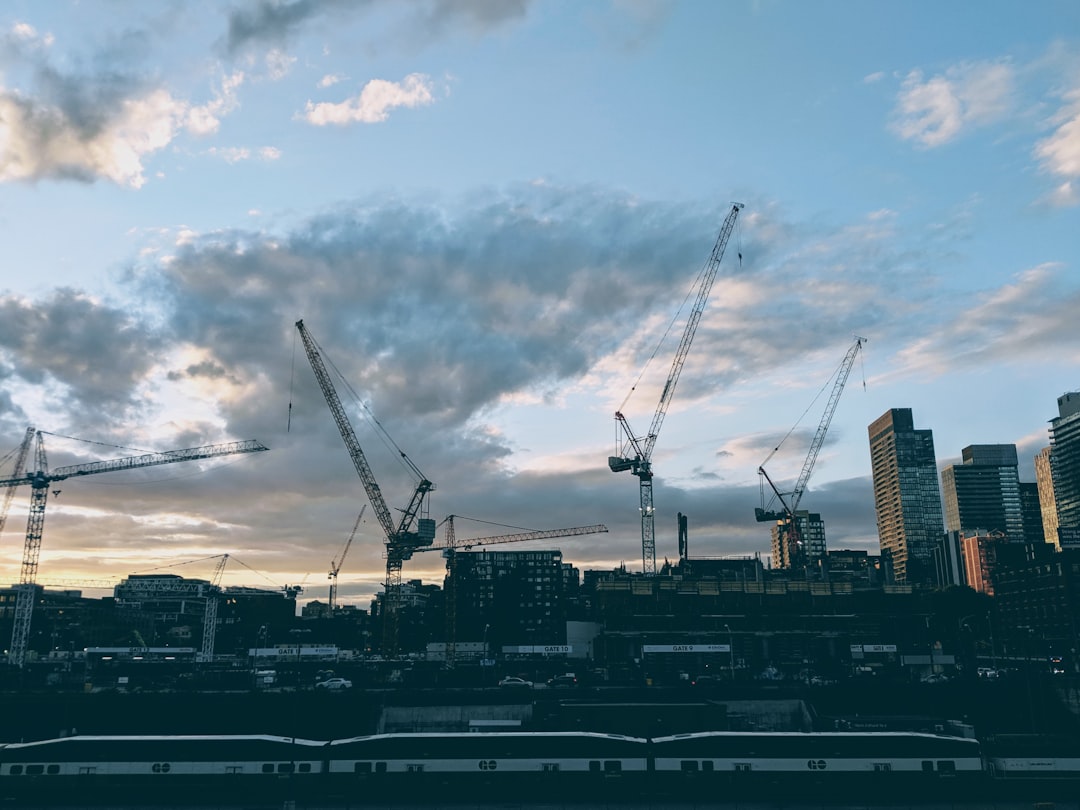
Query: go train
(520, 766)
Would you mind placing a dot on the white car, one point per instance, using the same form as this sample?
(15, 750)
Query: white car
(511, 682)
(334, 683)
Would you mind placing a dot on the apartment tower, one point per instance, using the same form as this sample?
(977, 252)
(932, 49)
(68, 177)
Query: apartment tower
(1065, 462)
(907, 498)
(984, 491)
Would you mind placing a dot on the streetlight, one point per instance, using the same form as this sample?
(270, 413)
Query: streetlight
(731, 652)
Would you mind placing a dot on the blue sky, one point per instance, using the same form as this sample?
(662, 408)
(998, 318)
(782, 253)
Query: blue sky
(487, 213)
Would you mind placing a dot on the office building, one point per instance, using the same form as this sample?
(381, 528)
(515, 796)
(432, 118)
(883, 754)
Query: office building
(1044, 480)
(949, 560)
(984, 491)
(1065, 460)
(907, 498)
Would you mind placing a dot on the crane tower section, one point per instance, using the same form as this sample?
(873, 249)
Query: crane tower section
(634, 452)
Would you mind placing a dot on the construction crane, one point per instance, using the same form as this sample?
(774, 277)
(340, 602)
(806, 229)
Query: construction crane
(401, 538)
(791, 503)
(209, 631)
(40, 481)
(335, 565)
(451, 545)
(19, 469)
(635, 453)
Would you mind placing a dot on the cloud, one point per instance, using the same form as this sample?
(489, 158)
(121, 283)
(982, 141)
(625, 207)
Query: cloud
(374, 102)
(940, 109)
(74, 142)
(1059, 153)
(330, 79)
(273, 23)
(236, 154)
(96, 126)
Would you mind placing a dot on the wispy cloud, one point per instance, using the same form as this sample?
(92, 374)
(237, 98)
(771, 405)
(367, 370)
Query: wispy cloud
(1059, 153)
(934, 111)
(374, 103)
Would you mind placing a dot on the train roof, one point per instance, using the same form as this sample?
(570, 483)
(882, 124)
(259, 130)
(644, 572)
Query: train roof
(815, 735)
(103, 738)
(472, 735)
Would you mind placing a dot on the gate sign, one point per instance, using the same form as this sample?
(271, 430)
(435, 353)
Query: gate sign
(548, 649)
(685, 648)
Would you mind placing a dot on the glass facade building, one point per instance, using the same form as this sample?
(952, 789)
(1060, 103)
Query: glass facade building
(907, 498)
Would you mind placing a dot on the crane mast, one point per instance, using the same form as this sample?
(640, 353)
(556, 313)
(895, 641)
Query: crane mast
(790, 506)
(635, 453)
(335, 565)
(41, 479)
(401, 539)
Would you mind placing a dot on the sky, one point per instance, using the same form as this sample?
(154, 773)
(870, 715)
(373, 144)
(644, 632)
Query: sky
(491, 215)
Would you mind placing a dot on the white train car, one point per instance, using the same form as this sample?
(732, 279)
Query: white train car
(93, 769)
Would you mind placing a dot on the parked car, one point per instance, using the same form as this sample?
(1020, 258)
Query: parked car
(512, 682)
(569, 679)
(935, 677)
(334, 683)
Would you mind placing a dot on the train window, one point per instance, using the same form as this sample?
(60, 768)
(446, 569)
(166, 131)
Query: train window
(234, 769)
(594, 765)
(707, 765)
(928, 766)
(52, 770)
(361, 767)
(688, 765)
(613, 766)
(882, 766)
(946, 766)
(285, 767)
(743, 766)
(414, 767)
(380, 767)
(16, 770)
(549, 767)
(304, 767)
(35, 770)
(268, 767)
(87, 770)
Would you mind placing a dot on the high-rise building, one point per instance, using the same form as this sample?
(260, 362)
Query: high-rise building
(1044, 479)
(1065, 460)
(807, 553)
(984, 491)
(1031, 510)
(907, 498)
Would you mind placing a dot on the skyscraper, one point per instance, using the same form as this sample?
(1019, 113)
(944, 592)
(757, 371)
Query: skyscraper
(1065, 460)
(1044, 479)
(906, 495)
(984, 491)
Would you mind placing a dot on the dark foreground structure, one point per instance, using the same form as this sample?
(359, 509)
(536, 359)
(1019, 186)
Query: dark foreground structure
(522, 768)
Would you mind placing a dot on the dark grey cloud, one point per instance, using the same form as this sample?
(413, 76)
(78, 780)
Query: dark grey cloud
(273, 23)
(97, 354)
(436, 313)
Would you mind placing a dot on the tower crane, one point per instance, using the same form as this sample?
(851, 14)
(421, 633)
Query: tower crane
(635, 453)
(787, 514)
(450, 547)
(401, 538)
(335, 565)
(19, 469)
(42, 479)
(209, 633)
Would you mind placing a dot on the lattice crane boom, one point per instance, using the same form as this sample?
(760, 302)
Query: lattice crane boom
(335, 565)
(635, 453)
(40, 481)
(401, 539)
